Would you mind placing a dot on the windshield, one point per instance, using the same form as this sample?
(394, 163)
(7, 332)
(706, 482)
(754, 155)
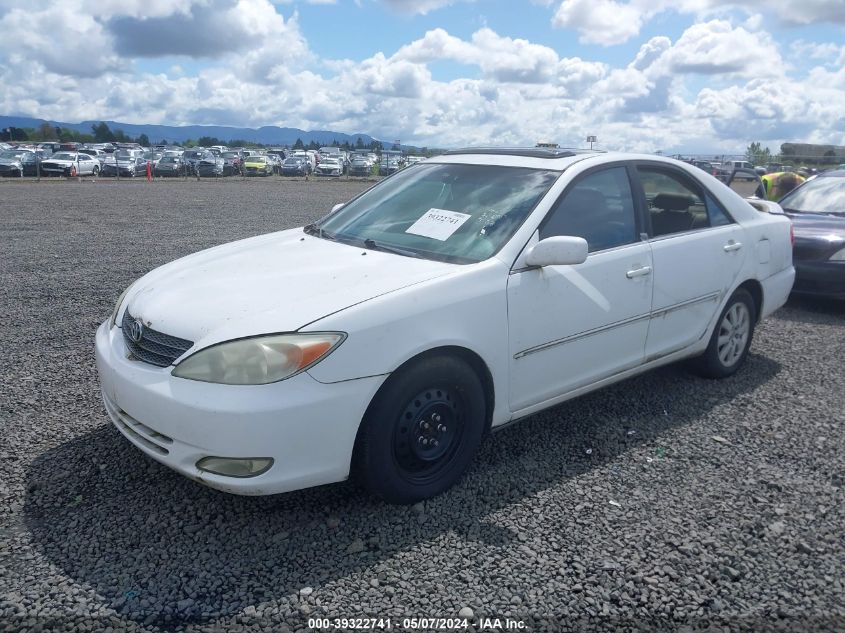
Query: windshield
(819, 195)
(294, 161)
(256, 159)
(169, 159)
(455, 213)
(10, 154)
(194, 154)
(64, 156)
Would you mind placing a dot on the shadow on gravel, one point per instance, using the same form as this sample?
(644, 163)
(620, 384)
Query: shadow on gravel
(161, 549)
(811, 310)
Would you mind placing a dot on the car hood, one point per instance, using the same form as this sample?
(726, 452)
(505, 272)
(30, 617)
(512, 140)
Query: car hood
(272, 283)
(58, 161)
(10, 161)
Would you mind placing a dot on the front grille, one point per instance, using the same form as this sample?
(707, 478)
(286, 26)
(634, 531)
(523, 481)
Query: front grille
(155, 348)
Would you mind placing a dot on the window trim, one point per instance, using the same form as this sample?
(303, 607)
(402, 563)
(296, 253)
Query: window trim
(638, 219)
(705, 191)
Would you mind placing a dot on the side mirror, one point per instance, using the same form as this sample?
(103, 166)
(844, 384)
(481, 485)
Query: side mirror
(557, 251)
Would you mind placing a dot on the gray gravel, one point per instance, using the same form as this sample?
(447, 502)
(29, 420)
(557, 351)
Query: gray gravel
(667, 502)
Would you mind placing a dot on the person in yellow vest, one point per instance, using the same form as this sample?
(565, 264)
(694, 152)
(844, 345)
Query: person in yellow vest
(779, 184)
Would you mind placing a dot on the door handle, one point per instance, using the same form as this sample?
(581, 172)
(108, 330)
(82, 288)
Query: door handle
(732, 246)
(638, 272)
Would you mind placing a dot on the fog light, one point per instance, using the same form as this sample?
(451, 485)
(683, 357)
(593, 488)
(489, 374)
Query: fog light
(231, 467)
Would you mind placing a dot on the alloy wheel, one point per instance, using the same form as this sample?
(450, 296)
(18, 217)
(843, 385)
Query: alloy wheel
(733, 334)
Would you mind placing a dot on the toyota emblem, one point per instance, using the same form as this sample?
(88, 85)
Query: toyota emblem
(135, 330)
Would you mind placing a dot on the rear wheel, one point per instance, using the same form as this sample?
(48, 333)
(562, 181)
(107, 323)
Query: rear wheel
(421, 431)
(96, 171)
(731, 338)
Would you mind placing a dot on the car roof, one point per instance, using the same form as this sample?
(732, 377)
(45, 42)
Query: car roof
(836, 173)
(541, 158)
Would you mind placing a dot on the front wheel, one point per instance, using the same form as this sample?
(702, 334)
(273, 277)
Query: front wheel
(731, 338)
(421, 431)
(95, 172)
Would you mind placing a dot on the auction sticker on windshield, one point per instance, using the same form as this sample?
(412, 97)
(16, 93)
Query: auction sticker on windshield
(438, 224)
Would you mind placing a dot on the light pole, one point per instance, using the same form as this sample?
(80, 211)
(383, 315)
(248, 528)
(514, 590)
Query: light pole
(591, 139)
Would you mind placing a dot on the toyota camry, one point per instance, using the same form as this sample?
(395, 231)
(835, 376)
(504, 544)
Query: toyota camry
(460, 294)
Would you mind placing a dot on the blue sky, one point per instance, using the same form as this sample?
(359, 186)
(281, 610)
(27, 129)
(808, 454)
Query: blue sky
(699, 76)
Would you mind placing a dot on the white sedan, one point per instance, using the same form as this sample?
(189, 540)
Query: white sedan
(454, 297)
(66, 163)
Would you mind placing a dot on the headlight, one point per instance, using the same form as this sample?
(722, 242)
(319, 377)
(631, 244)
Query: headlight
(259, 360)
(119, 303)
(838, 256)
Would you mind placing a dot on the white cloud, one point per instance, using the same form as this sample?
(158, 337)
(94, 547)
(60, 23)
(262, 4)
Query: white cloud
(609, 22)
(605, 22)
(516, 91)
(503, 59)
(716, 47)
(807, 11)
(64, 42)
(822, 51)
(422, 7)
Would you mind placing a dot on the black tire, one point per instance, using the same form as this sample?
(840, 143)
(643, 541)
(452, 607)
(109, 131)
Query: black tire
(731, 340)
(421, 431)
(95, 172)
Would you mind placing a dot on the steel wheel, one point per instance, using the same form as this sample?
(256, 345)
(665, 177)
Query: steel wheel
(421, 430)
(427, 433)
(733, 334)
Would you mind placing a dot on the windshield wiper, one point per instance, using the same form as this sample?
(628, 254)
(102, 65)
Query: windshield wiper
(317, 231)
(373, 245)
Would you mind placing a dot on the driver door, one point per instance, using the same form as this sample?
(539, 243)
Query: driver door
(570, 326)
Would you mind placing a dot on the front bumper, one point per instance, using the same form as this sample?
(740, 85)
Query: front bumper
(306, 426)
(820, 278)
(55, 170)
(111, 171)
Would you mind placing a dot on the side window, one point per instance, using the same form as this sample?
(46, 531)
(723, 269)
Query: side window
(717, 214)
(599, 208)
(675, 203)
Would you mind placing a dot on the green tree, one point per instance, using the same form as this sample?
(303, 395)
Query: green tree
(299, 144)
(756, 154)
(45, 132)
(144, 140)
(102, 133)
(208, 141)
(359, 144)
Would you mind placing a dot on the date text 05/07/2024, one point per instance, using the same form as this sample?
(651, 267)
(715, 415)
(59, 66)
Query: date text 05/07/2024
(416, 624)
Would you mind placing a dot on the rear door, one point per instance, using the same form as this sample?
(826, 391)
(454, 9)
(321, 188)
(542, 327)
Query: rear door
(697, 250)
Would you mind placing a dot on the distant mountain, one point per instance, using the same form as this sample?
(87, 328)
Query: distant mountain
(267, 135)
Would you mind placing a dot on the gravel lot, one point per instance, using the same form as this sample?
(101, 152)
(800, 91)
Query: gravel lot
(666, 502)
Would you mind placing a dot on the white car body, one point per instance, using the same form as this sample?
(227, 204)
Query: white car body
(330, 166)
(627, 309)
(61, 162)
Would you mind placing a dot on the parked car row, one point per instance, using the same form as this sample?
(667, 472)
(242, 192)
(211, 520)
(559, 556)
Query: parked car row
(128, 160)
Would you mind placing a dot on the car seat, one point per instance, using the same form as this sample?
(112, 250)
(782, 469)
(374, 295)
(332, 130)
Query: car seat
(670, 213)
